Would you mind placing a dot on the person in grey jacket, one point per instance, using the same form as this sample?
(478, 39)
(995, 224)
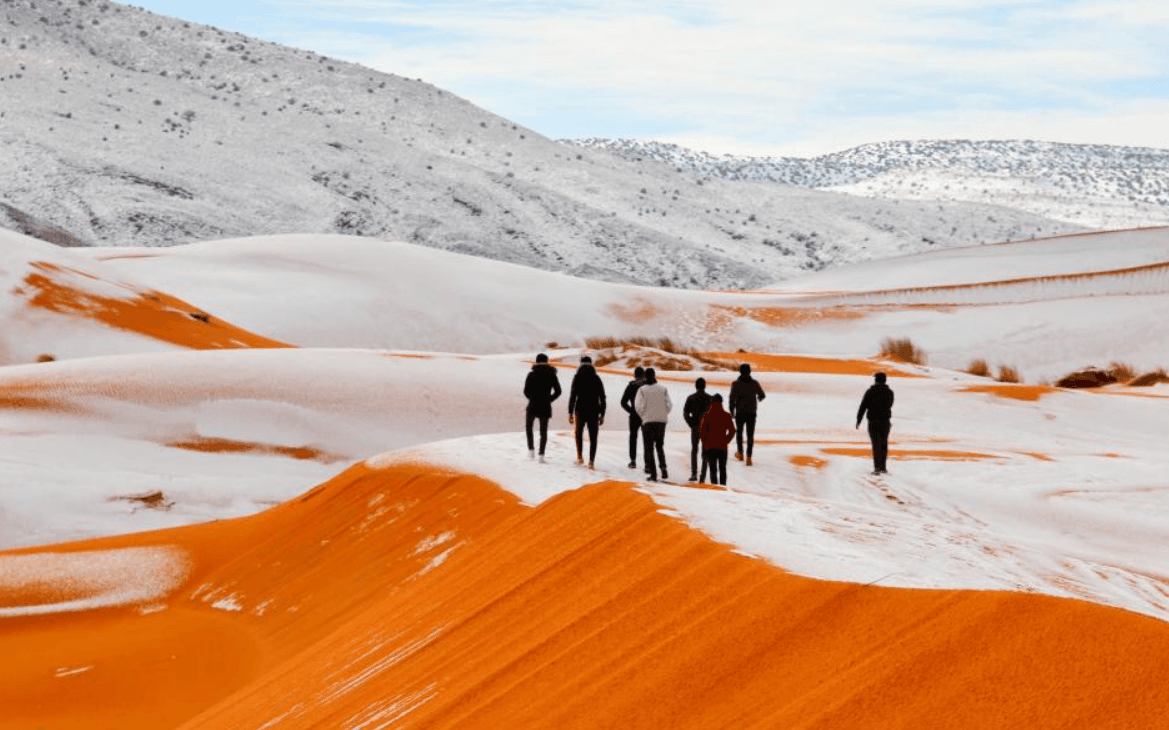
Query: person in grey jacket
(653, 406)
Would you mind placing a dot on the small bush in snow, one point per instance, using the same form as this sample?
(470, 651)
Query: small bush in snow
(979, 367)
(1008, 374)
(903, 349)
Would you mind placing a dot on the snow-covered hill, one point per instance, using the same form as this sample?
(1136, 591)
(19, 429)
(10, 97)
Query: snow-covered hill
(124, 127)
(1097, 186)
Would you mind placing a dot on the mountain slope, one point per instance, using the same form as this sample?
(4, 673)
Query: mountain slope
(125, 127)
(1098, 186)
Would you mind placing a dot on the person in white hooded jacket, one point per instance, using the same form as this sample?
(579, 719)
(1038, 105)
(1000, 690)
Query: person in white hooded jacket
(653, 406)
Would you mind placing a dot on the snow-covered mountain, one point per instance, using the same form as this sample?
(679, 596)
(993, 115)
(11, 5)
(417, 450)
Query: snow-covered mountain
(124, 127)
(1097, 186)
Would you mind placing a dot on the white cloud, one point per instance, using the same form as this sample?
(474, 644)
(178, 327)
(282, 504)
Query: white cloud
(764, 73)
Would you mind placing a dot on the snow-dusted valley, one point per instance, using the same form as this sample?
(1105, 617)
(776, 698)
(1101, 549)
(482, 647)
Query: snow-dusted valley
(1096, 186)
(122, 127)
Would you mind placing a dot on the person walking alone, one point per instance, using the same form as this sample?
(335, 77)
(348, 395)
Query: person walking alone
(716, 429)
(634, 419)
(744, 402)
(653, 405)
(541, 387)
(692, 412)
(878, 404)
(586, 407)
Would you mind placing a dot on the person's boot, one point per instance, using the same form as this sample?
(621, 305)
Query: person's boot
(591, 467)
(748, 461)
(739, 455)
(632, 464)
(579, 459)
(693, 477)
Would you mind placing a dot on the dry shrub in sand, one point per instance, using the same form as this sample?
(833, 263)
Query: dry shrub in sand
(1123, 372)
(1087, 378)
(903, 349)
(1151, 378)
(1008, 374)
(617, 348)
(979, 367)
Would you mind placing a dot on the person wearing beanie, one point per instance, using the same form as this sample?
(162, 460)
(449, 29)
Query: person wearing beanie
(878, 404)
(716, 429)
(541, 387)
(744, 404)
(586, 407)
(692, 412)
(653, 405)
(634, 419)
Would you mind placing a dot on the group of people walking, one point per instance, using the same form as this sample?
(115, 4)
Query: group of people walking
(648, 405)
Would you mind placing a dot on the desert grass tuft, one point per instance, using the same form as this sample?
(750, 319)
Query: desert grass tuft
(1008, 374)
(903, 349)
(1150, 378)
(1087, 378)
(1123, 372)
(979, 367)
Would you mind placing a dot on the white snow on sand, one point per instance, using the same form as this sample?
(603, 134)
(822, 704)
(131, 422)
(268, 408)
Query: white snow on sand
(82, 581)
(1063, 495)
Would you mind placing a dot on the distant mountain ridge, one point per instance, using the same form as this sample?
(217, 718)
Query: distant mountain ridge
(1095, 185)
(123, 127)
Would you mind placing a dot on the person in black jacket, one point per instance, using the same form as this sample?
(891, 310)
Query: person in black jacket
(692, 412)
(744, 405)
(878, 404)
(586, 407)
(540, 388)
(634, 419)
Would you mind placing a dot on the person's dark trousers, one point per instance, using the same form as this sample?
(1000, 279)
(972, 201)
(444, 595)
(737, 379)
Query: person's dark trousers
(879, 435)
(696, 452)
(531, 419)
(717, 458)
(591, 423)
(654, 433)
(634, 427)
(745, 422)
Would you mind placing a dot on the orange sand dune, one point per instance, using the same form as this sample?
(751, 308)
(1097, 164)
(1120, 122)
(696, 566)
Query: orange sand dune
(413, 599)
(148, 313)
(804, 364)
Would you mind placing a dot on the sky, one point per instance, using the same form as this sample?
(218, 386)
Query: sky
(757, 76)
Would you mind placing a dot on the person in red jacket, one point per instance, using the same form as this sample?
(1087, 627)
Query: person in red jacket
(716, 430)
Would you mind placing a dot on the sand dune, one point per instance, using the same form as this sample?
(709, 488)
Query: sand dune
(408, 598)
(306, 537)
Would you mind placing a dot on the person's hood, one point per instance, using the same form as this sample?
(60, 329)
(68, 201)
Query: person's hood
(716, 406)
(539, 365)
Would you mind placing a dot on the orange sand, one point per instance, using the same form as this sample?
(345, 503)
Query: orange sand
(802, 364)
(1011, 390)
(907, 454)
(229, 446)
(813, 462)
(789, 316)
(593, 610)
(151, 313)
